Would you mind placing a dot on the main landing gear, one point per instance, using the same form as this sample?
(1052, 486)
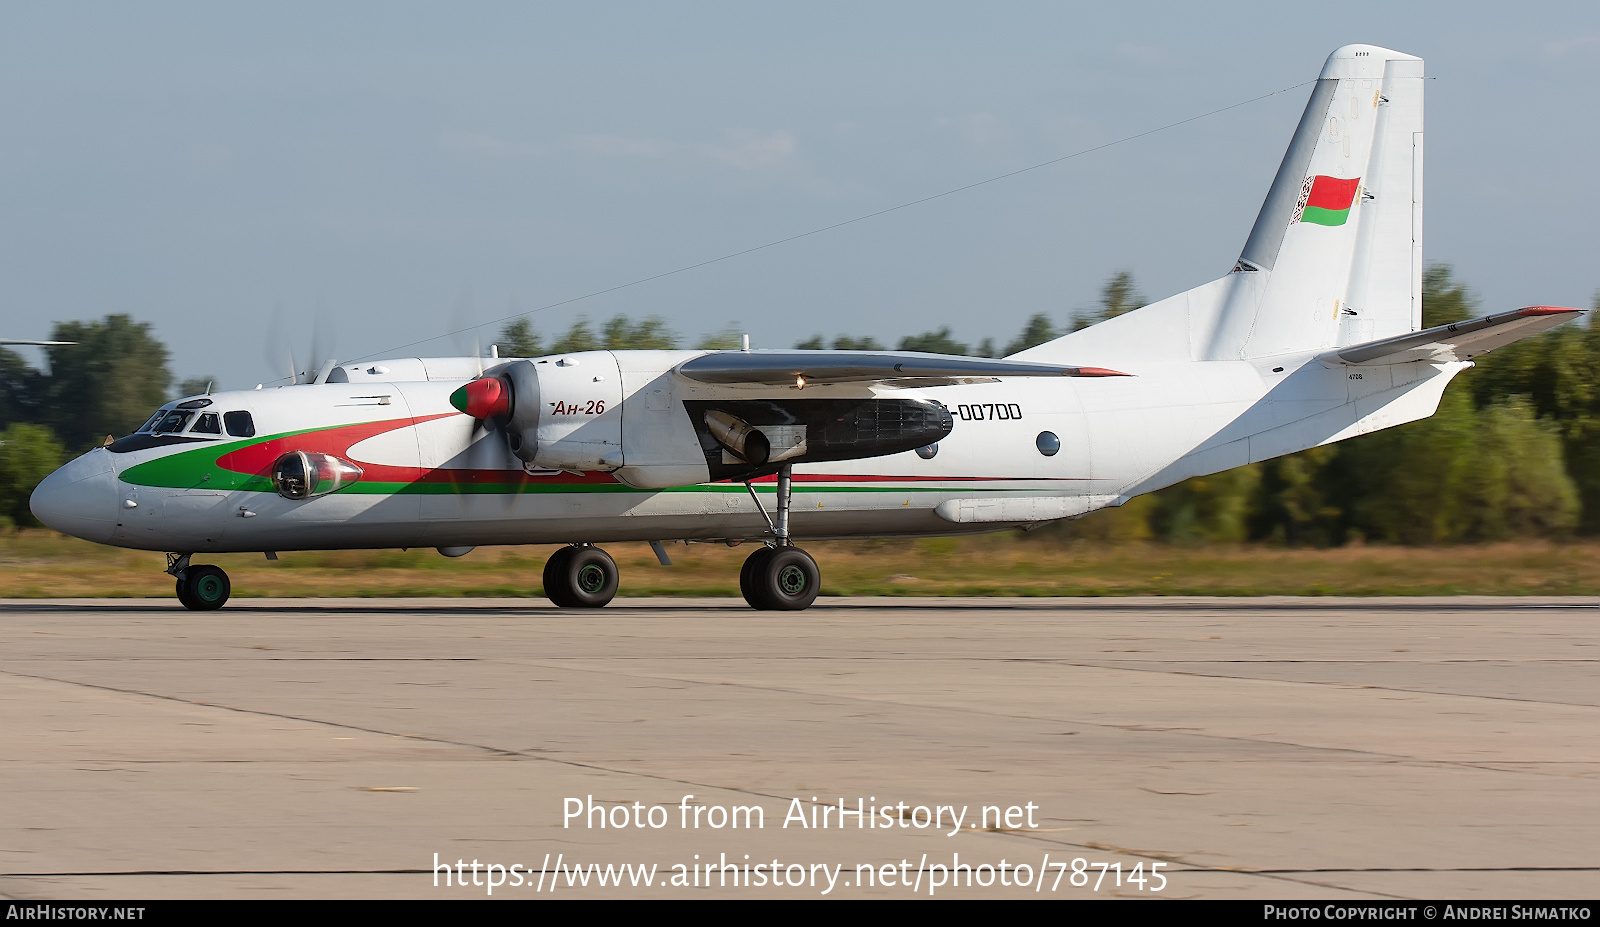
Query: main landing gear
(201, 588)
(581, 576)
(780, 577)
(777, 577)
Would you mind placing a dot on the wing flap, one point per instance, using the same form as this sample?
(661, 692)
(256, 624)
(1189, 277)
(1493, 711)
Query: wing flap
(892, 368)
(1457, 341)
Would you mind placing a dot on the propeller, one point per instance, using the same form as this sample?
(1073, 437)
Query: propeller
(321, 361)
(495, 400)
(468, 340)
(506, 401)
(280, 354)
(489, 401)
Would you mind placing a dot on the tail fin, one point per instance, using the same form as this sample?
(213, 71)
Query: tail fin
(1335, 256)
(1336, 252)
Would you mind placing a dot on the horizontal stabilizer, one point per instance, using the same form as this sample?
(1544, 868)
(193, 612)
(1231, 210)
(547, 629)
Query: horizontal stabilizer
(803, 368)
(1457, 341)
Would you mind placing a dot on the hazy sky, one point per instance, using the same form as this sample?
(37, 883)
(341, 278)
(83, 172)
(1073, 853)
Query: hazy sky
(232, 173)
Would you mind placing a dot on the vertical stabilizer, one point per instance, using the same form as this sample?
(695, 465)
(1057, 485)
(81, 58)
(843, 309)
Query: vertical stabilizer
(1335, 256)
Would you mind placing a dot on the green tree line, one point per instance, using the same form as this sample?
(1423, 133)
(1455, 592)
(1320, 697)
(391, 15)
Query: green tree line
(106, 383)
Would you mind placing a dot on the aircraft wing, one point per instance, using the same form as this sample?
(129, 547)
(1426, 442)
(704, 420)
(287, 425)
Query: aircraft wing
(893, 368)
(1456, 341)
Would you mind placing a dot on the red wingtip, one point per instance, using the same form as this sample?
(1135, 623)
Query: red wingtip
(1101, 372)
(1545, 310)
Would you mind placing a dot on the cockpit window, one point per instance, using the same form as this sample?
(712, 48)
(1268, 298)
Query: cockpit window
(149, 426)
(207, 424)
(240, 425)
(172, 422)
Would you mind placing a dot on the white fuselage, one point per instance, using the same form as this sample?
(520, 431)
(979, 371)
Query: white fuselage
(433, 477)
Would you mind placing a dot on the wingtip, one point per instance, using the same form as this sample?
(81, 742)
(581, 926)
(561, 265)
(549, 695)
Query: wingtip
(1099, 372)
(1546, 310)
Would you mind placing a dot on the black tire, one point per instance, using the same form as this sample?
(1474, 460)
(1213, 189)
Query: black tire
(587, 578)
(752, 564)
(204, 588)
(786, 580)
(554, 570)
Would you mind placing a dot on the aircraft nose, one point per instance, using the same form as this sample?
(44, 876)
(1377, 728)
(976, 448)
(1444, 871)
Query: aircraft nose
(79, 499)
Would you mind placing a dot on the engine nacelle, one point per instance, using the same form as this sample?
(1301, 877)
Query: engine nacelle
(566, 413)
(560, 413)
(744, 436)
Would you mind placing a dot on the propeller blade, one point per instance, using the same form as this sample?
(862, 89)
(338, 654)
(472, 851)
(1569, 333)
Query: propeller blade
(465, 337)
(323, 338)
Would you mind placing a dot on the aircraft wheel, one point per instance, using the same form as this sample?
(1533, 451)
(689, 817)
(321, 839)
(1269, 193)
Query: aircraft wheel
(752, 564)
(554, 570)
(203, 588)
(783, 579)
(585, 577)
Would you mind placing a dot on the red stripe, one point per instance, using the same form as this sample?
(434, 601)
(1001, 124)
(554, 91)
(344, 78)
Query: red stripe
(875, 478)
(1332, 192)
(257, 459)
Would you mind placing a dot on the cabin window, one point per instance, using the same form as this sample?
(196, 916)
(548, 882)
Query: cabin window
(1047, 443)
(207, 424)
(239, 424)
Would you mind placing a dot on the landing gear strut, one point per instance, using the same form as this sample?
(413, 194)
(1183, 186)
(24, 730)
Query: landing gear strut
(582, 576)
(780, 577)
(201, 588)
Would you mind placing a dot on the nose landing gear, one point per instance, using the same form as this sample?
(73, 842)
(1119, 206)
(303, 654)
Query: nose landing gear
(201, 588)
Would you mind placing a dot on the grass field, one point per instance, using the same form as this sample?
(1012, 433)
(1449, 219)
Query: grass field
(36, 564)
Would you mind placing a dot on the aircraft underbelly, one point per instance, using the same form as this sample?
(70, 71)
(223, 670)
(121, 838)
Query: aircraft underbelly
(618, 513)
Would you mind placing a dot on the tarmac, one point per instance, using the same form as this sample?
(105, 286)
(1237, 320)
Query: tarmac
(1262, 748)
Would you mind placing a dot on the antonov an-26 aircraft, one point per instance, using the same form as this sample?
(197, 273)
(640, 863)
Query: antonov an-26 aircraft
(1315, 336)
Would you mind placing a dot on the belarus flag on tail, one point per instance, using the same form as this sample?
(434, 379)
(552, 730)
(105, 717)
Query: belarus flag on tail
(1326, 200)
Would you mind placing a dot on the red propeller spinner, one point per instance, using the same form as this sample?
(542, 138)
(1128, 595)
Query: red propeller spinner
(483, 398)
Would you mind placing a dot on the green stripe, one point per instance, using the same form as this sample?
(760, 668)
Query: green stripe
(518, 489)
(197, 469)
(1319, 216)
(187, 469)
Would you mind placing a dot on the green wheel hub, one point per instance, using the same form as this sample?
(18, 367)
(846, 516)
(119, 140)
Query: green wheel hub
(209, 589)
(203, 588)
(792, 580)
(591, 578)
